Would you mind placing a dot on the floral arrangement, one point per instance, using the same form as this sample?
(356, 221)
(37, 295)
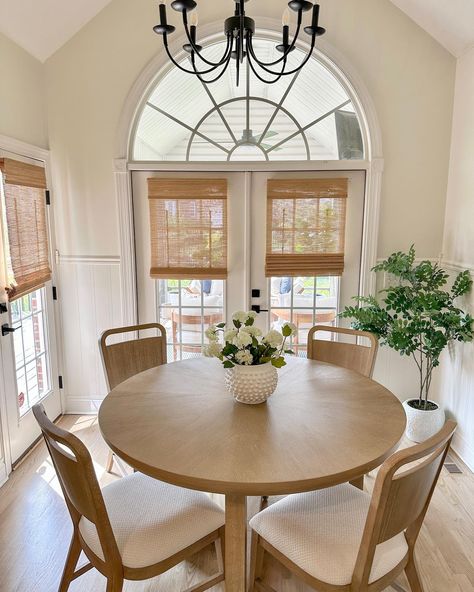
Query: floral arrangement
(245, 345)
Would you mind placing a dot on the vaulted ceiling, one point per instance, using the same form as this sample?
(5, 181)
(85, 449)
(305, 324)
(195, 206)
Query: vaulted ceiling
(43, 26)
(450, 22)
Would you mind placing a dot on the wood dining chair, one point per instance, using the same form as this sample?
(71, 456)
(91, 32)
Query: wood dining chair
(124, 359)
(353, 356)
(342, 539)
(135, 528)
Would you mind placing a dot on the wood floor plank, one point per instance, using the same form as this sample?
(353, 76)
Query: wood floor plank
(35, 531)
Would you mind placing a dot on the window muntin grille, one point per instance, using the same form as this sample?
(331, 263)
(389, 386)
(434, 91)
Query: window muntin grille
(306, 117)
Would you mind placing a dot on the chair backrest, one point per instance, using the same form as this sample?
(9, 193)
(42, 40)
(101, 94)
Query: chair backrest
(76, 475)
(352, 356)
(125, 359)
(402, 495)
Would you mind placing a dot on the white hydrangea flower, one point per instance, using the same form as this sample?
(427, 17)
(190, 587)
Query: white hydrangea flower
(213, 350)
(252, 314)
(230, 335)
(273, 338)
(240, 316)
(254, 331)
(243, 339)
(293, 328)
(244, 357)
(211, 333)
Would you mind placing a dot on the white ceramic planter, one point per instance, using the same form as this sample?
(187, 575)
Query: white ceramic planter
(421, 425)
(251, 384)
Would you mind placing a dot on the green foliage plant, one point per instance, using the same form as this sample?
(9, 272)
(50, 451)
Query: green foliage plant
(416, 315)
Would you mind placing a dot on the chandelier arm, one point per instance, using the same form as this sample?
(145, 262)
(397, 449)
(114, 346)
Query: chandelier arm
(196, 49)
(277, 74)
(203, 72)
(218, 77)
(287, 51)
(283, 73)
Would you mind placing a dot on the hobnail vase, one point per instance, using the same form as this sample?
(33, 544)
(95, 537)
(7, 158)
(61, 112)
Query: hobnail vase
(251, 384)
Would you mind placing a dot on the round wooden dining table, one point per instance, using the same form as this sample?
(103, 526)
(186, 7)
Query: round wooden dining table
(323, 426)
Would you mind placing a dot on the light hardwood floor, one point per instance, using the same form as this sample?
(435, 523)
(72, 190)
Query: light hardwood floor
(35, 530)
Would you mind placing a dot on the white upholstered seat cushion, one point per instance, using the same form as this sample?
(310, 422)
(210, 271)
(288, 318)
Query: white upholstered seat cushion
(153, 520)
(321, 532)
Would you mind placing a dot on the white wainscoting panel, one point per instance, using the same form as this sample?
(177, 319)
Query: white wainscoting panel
(90, 300)
(454, 387)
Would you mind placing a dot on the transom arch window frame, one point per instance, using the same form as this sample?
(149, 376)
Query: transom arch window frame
(300, 130)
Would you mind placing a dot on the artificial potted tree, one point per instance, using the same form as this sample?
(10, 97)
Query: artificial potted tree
(416, 316)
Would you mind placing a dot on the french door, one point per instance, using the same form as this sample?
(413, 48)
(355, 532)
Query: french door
(28, 357)
(186, 307)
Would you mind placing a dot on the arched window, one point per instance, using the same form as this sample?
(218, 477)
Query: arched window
(307, 116)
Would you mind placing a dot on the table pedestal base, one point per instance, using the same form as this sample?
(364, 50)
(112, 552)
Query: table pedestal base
(235, 543)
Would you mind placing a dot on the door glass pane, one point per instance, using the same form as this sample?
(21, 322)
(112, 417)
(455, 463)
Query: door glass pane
(31, 351)
(304, 301)
(186, 308)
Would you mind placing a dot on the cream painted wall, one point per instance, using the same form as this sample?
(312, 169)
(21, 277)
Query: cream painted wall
(402, 66)
(409, 76)
(22, 95)
(456, 382)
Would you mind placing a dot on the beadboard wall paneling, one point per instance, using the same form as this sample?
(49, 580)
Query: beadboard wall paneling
(454, 386)
(90, 303)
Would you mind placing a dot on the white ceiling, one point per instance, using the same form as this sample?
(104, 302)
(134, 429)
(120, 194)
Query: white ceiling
(43, 26)
(451, 22)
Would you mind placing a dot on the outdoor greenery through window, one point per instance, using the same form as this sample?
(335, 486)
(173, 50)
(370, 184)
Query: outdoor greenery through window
(31, 350)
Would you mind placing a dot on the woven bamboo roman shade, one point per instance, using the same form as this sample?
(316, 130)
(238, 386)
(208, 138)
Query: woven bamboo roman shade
(306, 221)
(25, 227)
(188, 228)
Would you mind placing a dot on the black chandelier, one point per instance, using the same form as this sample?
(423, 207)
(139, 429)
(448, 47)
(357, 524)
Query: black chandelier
(239, 31)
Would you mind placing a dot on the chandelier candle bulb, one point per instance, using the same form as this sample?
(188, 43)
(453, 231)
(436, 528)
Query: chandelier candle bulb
(286, 17)
(194, 19)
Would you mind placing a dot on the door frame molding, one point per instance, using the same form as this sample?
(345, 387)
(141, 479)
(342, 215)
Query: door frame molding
(123, 166)
(26, 150)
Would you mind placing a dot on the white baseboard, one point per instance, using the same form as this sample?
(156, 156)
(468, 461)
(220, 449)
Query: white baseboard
(77, 406)
(464, 450)
(3, 473)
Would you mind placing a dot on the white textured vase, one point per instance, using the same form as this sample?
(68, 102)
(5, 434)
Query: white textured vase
(251, 384)
(421, 425)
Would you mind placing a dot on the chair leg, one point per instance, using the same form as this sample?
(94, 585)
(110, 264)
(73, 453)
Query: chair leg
(413, 577)
(115, 584)
(71, 562)
(256, 561)
(220, 549)
(110, 462)
(263, 502)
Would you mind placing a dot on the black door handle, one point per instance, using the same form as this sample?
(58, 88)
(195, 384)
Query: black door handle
(6, 329)
(256, 308)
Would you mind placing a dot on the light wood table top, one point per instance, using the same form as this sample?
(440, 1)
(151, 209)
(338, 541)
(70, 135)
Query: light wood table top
(324, 425)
